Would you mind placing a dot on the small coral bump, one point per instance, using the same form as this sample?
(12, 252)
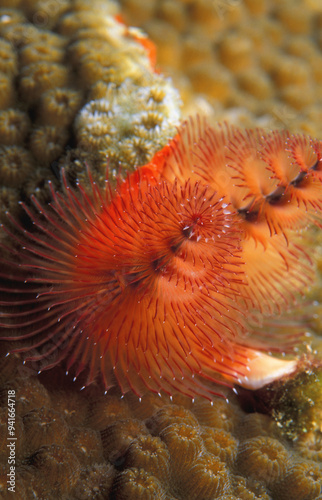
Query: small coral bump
(44, 15)
(136, 151)
(29, 393)
(220, 443)
(71, 23)
(236, 52)
(99, 91)
(256, 424)
(47, 143)
(14, 127)
(184, 444)
(150, 454)
(309, 445)
(16, 163)
(295, 19)
(8, 59)
(44, 426)
(86, 445)
(37, 184)
(248, 489)
(84, 48)
(94, 126)
(58, 107)
(95, 482)
(117, 437)
(7, 92)
(57, 469)
(39, 52)
(257, 84)
(297, 97)
(18, 32)
(139, 484)
(109, 9)
(97, 66)
(220, 414)
(107, 410)
(302, 481)
(9, 198)
(263, 459)
(207, 478)
(46, 38)
(170, 414)
(38, 77)
(147, 406)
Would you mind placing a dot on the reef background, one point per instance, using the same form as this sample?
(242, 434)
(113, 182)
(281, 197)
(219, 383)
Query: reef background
(252, 63)
(76, 86)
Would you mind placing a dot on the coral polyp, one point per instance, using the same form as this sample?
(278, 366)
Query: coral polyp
(263, 458)
(165, 283)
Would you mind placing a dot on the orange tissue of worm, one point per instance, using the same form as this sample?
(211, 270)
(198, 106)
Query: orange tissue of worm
(153, 287)
(273, 182)
(140, 287)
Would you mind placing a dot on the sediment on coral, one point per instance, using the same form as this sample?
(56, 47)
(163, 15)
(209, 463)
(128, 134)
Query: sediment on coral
(296, 405)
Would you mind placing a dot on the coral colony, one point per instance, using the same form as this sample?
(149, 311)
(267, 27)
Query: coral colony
(169, 282)
(81, 89)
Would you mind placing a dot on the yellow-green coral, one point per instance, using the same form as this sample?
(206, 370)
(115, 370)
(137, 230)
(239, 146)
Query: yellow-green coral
(296, 405)
(128, 123)
(58, 63)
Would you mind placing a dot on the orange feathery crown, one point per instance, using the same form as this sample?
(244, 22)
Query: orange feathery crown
(154, 286)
